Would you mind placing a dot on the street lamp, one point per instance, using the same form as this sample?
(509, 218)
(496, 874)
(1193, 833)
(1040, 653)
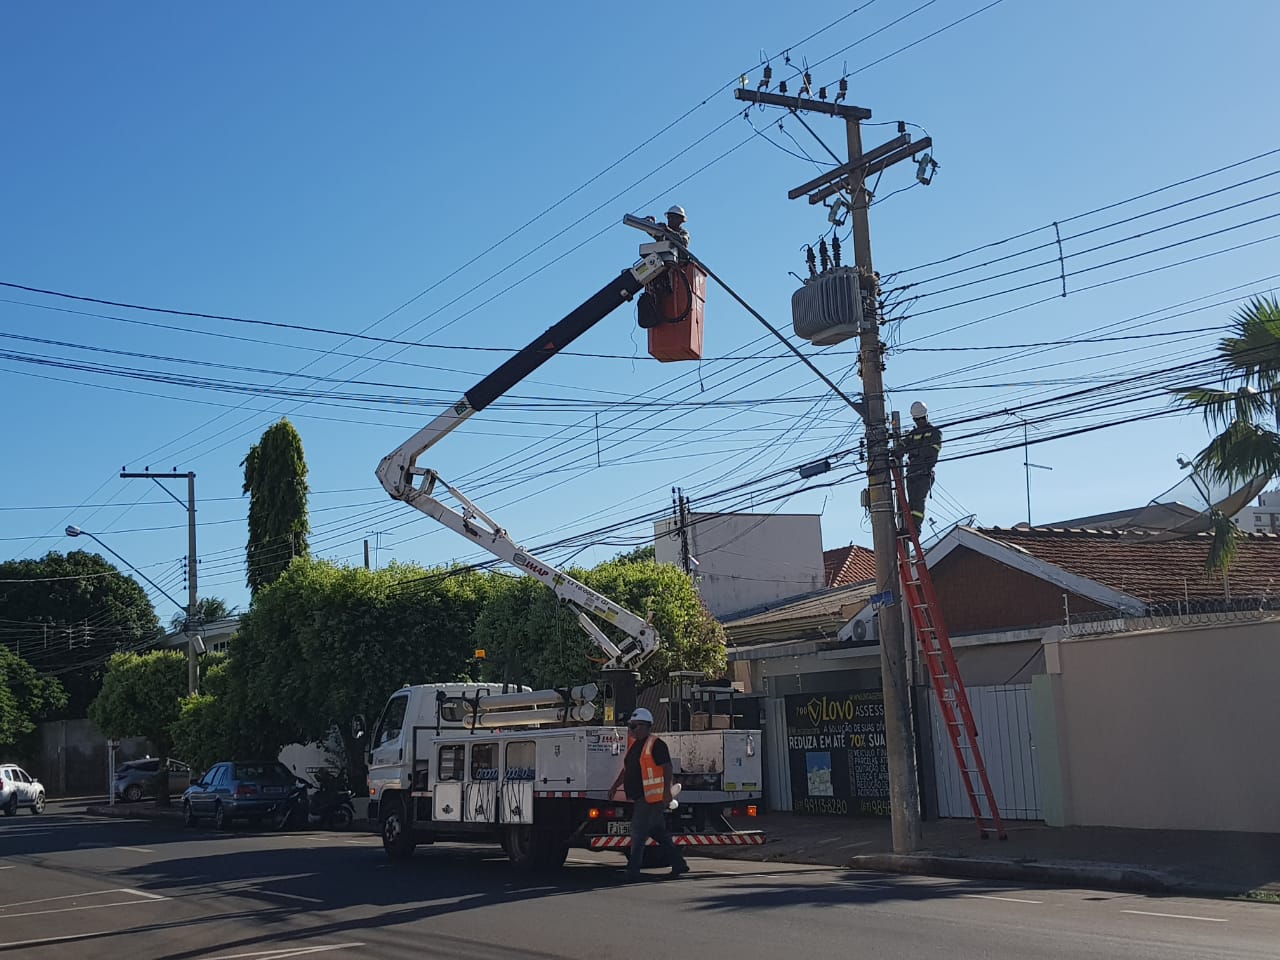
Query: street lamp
(74, 531)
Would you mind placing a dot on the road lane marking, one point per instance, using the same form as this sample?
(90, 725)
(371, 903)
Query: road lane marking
(1176, 916)
(289, 896)
(285, 952)
(987, 896)
(70, 896)
(142, 893)
(136, 849)
(9, 867)
(89, 906)
(11, 944)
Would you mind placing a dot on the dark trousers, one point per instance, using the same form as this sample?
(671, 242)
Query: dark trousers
(649, 820)
(918, 487)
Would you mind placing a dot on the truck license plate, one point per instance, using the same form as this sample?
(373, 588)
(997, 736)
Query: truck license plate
(619, 828)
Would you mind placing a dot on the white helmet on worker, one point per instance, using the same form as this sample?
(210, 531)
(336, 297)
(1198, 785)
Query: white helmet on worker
(641, 715)
(919, 411)
(677, 211)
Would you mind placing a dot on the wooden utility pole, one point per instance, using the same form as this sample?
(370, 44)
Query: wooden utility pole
(193, 595)
(850, 177)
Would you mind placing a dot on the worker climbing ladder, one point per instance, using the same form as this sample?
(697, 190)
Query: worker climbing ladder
(940, 660)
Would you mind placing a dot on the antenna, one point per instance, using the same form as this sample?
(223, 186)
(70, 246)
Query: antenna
(1026, 459)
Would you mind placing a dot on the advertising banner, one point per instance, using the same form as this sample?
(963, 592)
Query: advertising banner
(836, 749)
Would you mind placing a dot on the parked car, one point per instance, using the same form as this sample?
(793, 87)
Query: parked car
(136, 779)
(19, 789)
(238, 790)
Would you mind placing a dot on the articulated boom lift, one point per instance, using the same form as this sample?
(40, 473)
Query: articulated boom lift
(403, 478)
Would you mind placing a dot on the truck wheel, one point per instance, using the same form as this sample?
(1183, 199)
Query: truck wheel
(397, 832)
(530, 849)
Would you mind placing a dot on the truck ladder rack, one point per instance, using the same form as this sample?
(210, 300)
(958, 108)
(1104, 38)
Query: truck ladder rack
(944, 674)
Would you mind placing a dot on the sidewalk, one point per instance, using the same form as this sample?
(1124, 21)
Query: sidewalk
(1151, 861)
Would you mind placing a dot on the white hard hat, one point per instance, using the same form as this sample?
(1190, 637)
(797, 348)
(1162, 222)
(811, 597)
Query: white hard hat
(642, 715)
(919, 410)
(678, 211)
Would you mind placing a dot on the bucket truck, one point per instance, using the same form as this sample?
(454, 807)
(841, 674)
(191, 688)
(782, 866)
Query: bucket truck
(531, 770)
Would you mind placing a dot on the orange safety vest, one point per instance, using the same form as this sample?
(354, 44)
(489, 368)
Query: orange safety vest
(651, 776)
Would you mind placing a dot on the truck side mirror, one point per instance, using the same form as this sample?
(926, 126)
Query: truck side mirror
(357, 727)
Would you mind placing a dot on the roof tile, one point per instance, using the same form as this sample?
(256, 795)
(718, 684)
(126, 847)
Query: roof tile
(1145, 566)
(847, 565)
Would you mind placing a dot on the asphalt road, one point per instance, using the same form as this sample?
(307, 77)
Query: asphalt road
(79, 887)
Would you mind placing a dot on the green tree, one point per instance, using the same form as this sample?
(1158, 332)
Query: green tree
(69, 613)
(1244, 407)
(26, 697)
(638, 555)
(275, 477)
(529, 634)
(208, 609)
(207, 730)
(323, 643)
(140, 696)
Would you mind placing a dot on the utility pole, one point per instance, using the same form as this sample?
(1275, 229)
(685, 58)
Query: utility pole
(377, 547)
(193, 595)
(904, 794)
(681, 505)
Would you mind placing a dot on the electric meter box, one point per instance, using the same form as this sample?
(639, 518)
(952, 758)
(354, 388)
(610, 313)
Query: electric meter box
(828, 308)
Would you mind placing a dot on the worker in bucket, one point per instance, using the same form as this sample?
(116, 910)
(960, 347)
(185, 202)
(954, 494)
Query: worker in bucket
(921, 448)
(647, 779)
(675, 223)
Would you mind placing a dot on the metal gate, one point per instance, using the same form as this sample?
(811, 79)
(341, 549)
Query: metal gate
(1003, 717)
(777, 769)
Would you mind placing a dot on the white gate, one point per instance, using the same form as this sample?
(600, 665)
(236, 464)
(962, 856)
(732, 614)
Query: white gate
(777, 758)
(1003, 718)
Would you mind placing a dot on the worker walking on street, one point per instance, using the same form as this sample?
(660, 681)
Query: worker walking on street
(921, 448)
(647, 779)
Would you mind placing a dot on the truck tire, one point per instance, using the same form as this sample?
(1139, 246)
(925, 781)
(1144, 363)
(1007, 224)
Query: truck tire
(397, 829)
(531, 849)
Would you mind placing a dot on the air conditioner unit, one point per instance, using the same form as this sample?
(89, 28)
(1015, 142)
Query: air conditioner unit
(863, 630)
(828, 308)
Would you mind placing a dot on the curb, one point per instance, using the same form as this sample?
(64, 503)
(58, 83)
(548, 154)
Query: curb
(1122, 879)
(134, 811)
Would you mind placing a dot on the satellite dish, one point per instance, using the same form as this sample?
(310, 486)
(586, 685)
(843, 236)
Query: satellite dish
(1168, 516)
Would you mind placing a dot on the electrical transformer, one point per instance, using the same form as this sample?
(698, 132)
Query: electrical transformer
(828, 308)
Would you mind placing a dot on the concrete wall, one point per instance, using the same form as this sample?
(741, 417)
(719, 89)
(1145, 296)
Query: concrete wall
(748, 560)
(70, 757)
(1168, 728)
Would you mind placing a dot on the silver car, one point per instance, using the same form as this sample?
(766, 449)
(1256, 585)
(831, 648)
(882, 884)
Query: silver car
(136, 779)
(19, 789)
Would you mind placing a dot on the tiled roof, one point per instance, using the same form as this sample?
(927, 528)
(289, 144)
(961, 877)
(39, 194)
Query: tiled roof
(846, 565)
(817, 615)
(1149, 567)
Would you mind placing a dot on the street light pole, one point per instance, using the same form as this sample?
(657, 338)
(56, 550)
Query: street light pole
(194, 644)
(73, 531)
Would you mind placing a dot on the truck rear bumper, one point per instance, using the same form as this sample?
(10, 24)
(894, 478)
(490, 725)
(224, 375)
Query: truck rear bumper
(746, 838)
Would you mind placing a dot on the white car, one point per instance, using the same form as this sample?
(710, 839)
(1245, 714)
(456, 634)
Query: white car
(18, 789)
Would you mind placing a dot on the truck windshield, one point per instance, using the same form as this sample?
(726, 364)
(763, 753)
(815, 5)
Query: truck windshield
(391, 722)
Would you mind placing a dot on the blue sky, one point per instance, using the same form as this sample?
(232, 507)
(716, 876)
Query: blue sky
(314, 165)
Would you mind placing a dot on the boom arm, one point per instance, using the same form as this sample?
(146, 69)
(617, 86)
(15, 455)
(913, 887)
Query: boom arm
(398, 469)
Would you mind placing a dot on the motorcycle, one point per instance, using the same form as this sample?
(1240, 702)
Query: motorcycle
(310, 806)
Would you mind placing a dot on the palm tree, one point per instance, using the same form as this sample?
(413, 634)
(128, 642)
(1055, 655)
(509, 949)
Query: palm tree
(1245, 409)
(208, 609)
